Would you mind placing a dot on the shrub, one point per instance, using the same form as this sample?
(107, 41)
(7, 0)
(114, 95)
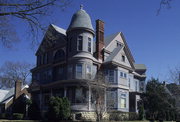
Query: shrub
(141, 112)
(133, 116)
(17, 116)
(3, 116)
(59, 109)
(118, 116)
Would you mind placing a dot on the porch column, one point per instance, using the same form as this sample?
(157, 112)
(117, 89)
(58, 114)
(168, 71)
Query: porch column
(89, 101)
(65, 92)
(40, 99)
(51, 93)
(105, 101)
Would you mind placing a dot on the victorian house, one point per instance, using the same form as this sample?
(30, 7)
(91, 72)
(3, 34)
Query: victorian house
(67, 59)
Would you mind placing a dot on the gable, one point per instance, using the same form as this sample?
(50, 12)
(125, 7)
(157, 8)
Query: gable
(121, 58)
(116, 53)
(54, 36)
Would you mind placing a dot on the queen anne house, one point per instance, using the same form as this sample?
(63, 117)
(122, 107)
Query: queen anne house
(67, 59)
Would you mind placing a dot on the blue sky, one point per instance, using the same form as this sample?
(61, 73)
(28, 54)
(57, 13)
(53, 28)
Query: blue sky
(153, 40)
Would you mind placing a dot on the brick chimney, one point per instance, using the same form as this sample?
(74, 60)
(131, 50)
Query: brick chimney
(99, 39)
(17, 92)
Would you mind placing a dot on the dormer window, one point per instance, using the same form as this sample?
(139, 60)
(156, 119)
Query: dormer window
(79, 43)
(123, 58)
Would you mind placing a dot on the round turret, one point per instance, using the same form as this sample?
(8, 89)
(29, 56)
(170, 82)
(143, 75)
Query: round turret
(81, 20)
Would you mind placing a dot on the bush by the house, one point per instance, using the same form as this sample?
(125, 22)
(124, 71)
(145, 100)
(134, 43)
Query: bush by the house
(3, 116)
(141, 110)
(133, 116)
(59, 109)
(118, 116)
(17, 116)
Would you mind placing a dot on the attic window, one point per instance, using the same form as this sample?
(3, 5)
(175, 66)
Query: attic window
(118, 43)
(123, 58)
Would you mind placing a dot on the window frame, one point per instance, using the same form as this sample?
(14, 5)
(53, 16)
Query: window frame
(123, 97)
(89, 44)
(111, 76)
(88, 74)
(123, 58)
(80, 43)
(79, 73)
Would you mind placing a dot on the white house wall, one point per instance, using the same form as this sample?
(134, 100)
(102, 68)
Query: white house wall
(118, 58)
(113, 44)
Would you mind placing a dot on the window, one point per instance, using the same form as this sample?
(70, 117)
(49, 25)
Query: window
(46, 99)
(111, 99)
(136, 85)
(79, 71)
(129, 83)
(94, 71)
(118, 43)
(59, 73)
(70, 44)
(60, 70)
(123, 58)
(49, 74)
(80, 95)
(59, 56)
(123, 101)
(125, 75)
(88, 71)
(70, 71)
(89, 44)
(79, 43)
(111, 75)
(45, 58)
(121, 74)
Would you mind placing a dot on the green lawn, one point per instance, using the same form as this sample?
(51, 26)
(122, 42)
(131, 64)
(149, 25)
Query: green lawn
(18, 121)
(38, 121)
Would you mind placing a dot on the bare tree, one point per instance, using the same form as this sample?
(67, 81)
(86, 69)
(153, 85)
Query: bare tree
(98, 87)
(164, 3)
(174, 75)
(30, 11)
(10, 72)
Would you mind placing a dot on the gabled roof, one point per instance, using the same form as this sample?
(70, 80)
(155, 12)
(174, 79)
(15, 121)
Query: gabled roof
(113, 54)
(50, 34)
(111, 37)
(8, 94)
(58, 29)
(3, 94)
(108, 39)
(140, 67)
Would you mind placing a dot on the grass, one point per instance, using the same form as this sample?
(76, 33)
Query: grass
(19, 121)
(39, 121)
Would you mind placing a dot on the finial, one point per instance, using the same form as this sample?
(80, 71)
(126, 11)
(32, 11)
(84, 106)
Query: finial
(81, 6)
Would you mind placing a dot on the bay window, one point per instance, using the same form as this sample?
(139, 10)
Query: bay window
(123, 100)
(78, 70)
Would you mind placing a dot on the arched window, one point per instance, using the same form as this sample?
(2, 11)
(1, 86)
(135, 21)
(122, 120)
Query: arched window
(59, 56)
